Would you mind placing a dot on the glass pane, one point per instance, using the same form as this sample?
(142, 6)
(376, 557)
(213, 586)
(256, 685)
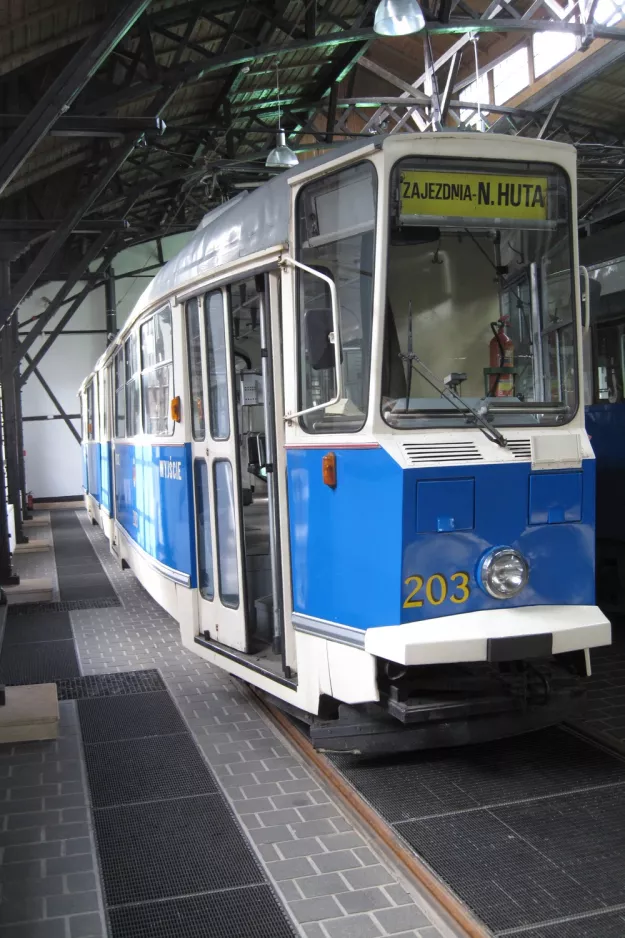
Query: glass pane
(479, 296)
(195, 369)
(162, 336)
(133, 406)
(336, 237)
(511, 75)
(148, 358)
(609, 363)
(120, 412)
(217, 366)
(551, 48)
(227, 563)
(475, 93)
(157, 395)
(132, 356)
(90, 425)
(203, 524)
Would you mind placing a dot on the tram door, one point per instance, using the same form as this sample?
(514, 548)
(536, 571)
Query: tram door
(215, 450)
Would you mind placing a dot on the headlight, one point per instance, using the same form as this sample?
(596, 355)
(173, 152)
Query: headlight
(504, 573)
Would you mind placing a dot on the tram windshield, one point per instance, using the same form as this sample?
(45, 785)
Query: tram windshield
(480, 302)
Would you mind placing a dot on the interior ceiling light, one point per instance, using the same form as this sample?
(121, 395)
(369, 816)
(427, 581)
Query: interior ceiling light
(398, 18)
(282, 156)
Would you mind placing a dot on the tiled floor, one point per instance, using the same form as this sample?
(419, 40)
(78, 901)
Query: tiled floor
(333, 881)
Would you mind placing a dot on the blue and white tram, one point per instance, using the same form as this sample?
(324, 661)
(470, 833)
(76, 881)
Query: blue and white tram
(341, 439)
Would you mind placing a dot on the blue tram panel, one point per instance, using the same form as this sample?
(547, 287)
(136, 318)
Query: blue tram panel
(389, 546)
(154, 502)
(94, 470)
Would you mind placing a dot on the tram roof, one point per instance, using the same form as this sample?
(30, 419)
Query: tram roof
(253, 221)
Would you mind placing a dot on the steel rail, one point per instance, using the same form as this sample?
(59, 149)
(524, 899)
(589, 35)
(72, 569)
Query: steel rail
(409, 863)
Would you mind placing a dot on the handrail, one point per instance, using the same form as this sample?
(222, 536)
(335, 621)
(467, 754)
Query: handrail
(335, 338)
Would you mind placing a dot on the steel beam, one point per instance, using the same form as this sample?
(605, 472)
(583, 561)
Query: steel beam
(110, 302)
(53, 244)
(65, 88)
(63, 292)
(26, 516)
(7, 576)
(63, 321)
(452, 75)
(9, 414)
(86, 226)
(44, 384)
(80, 125)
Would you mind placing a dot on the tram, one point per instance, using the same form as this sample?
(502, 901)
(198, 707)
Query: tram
(341, 440)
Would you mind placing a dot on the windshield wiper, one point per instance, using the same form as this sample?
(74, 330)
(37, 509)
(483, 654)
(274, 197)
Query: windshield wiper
(413, 360)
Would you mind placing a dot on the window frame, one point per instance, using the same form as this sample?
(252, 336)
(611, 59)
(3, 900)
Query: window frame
(119, 367)
(146, 370)
(133, 336)
(199, 301)
(300, 339)
(227, 360)
(533, 166)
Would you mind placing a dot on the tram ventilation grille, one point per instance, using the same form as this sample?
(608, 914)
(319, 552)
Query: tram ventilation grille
(442, 452)
(521, 449)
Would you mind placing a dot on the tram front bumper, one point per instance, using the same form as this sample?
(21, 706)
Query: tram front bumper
(491, 635)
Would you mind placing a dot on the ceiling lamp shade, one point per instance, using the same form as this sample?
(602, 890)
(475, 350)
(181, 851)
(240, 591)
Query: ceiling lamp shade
(398, 18)
(282, 156)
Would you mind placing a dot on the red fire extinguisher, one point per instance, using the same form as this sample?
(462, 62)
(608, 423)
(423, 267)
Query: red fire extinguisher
(501, 356)
(29, 501)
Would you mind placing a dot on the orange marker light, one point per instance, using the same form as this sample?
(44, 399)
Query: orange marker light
(328, 469)
(174, 409)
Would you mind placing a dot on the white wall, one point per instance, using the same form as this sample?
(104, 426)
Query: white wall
(53, 458)
(53, 461)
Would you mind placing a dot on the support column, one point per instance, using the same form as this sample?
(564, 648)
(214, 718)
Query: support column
(9, 411)
(26, 515)
(110, 301)
(7, 578)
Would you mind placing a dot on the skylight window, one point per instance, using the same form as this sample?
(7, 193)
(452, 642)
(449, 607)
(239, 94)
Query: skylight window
(476, 93)
(511, 75)
(552, 48)
(609, 12)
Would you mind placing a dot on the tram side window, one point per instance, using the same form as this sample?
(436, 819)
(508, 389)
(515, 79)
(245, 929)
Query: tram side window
(120, 395)
(217, 366)
(104, 399)
(226, 533)
(133, 380)
(90, 414)
(203, 523)
(336, 224)
(609, 363)
(157, 374)
(196, 387)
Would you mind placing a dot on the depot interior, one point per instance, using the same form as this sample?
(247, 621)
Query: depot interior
(123, 124)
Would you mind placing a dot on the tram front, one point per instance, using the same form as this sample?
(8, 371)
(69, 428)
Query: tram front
(439, 375)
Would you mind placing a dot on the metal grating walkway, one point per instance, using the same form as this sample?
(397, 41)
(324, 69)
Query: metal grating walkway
(163, 828)
(528, 832)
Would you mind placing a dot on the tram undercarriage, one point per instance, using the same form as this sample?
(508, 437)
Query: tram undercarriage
(432, 707)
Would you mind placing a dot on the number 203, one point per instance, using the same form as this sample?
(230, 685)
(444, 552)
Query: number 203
(437, 589)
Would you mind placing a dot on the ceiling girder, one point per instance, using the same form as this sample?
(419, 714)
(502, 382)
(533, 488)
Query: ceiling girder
(65, 88)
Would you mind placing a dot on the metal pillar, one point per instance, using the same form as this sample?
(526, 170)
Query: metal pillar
(9, 411)
(7, 577)
(110, 301)
(6, 571)
(21, 456)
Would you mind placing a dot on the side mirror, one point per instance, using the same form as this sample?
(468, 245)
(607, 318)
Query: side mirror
(319, 328)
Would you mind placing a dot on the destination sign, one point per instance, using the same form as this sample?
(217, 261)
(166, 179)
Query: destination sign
(473, 195)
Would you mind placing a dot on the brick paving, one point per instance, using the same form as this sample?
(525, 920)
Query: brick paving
(331, 878)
